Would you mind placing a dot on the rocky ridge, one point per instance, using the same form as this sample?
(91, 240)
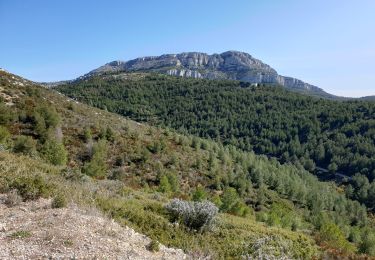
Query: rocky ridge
(232, 65)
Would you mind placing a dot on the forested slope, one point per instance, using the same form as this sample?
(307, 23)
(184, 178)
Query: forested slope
(335, 135)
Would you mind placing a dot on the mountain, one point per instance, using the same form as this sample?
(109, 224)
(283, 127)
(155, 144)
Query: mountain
(52, 84)
(233, 65)
(369, 98)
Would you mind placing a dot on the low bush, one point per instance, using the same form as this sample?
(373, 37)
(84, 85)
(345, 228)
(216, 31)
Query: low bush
(25, 145)
(154, 246)
(54, 152)
(4, 135)
(50, 116)
(194, 215)
(168, 182)
(199, 194)
(97, 166)
(233, 204)
(72, 174)
(367, 245)
(20, 234)
(118, 174)
(31, 188)
(59, 201)
(6, 115)
(331, 235)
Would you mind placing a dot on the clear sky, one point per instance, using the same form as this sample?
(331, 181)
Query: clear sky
(328, 43)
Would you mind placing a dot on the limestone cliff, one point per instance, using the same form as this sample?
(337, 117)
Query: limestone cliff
(233, 65)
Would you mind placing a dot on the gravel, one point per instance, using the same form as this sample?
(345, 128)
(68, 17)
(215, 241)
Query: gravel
(70, 233)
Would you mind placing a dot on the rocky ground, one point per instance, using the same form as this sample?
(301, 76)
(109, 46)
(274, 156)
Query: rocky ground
(34, 230)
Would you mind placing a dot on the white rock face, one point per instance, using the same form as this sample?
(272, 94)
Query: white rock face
(184, 73)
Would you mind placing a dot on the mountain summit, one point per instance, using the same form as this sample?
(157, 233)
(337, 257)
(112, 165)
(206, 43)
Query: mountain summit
(232, 65)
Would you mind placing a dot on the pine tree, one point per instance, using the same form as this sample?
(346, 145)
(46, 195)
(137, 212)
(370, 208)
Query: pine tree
(97, 166)
(164, 185)
(54, 152)
(4, 135)
(199, 194)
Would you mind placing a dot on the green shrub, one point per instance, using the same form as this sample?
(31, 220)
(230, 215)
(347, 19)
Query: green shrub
(204, 145)
(217, 201)
(68, 243)
(25, 145)
(50, 116)
(156, 147)
(199, 194)
(33, 92)
(118, 174)
(71, 107)
(154, 246)
(241, 209)
(229, 199)
(141, 156)
(332, 235)
(110, 134)
(4, 135)
(173, 160)
(54, 152)
(40, 126)
(195, 143)
(173, 181)
(367, 245)
(59, 201)
(97, 166)
(102, 132)
(283, 216)
(273, 219)
(164, 185)
(31, 187)
(73, 174)
(233, 204)
(6, 115)
(20, 234)
(355, 235)
(87, 135)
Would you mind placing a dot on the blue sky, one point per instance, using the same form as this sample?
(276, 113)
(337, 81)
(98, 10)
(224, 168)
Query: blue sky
(330, 44)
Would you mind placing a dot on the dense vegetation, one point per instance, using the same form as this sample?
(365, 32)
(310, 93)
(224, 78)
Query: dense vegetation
(131, 171)
(315, 133)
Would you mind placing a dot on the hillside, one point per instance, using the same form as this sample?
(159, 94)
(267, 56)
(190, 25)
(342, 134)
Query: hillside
(370, 98)
(325, 137)
(55, 147)
(230, 65)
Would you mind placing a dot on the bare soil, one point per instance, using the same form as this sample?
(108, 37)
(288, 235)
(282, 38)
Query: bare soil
(34, 230)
